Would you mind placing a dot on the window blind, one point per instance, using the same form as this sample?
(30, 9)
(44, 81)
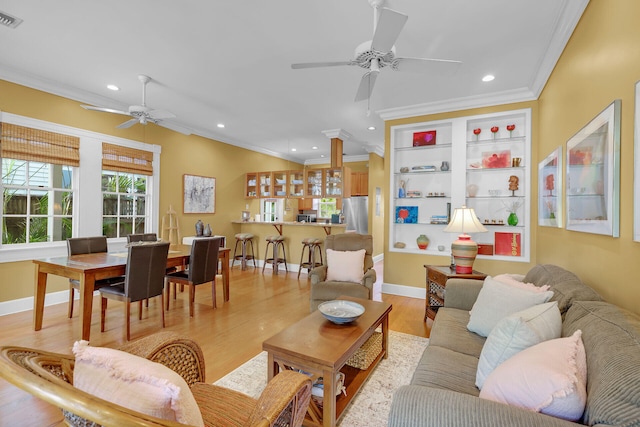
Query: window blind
(124, 159)
(24, 143)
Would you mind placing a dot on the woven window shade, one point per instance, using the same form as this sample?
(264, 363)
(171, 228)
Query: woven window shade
(23, 143)
(124, 159)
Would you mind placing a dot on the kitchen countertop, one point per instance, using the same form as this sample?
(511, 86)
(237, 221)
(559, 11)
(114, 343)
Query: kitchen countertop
(278, 224)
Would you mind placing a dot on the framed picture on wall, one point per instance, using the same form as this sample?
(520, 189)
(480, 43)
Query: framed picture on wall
(592, 189)
(199, 194)
(550, 190)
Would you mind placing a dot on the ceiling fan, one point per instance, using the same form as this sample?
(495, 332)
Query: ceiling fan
(143, 114)
(379, 52)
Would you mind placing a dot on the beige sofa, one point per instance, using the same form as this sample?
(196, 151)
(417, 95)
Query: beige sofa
(442, 391)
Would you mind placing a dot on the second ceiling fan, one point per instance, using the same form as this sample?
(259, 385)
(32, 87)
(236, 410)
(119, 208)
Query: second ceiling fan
(379, 52)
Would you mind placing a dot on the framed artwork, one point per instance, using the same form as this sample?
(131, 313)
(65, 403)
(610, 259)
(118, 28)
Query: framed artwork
(550, 190)
(424, 138)
(592, 189)
(636, 167)
(199, 194)
(406, 214)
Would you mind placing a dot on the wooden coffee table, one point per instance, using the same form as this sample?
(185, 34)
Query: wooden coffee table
(321, 348)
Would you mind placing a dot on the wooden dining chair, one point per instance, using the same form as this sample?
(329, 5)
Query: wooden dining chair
(86, 245)
(142, 237)
(203, 267)
(143, 279)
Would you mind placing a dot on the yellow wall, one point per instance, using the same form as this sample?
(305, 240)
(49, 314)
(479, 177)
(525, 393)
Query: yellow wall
(180, 155)
(601, 63)
(408, 269)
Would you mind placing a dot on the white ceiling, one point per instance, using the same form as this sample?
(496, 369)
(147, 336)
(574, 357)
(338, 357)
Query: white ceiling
(216, 61)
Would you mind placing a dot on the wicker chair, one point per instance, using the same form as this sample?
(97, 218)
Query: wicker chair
(49, 376)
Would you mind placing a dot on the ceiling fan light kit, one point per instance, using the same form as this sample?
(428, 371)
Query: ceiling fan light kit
(379, 52)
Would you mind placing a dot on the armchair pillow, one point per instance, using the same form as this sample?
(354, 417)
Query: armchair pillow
(517, 332)
(345, 266)
(135, 383)
(497, 300)
(550, 377)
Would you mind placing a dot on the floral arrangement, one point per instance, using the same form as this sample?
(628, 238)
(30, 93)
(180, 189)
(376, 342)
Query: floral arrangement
(512, 207)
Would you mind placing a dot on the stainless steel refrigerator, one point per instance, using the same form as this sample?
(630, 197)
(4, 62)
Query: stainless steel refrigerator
(356, 216)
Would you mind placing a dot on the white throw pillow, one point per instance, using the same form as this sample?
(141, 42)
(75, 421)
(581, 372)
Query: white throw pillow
(345, 266)
(550, 377)
(497, 300)
(517, 332)
(135, 383)
(517, 281)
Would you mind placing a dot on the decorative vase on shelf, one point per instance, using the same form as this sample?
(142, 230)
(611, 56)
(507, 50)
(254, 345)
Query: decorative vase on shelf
(512, 219)
(422, 241)
(445, 166)
(472, 190)
(199, 228)
(207, 231)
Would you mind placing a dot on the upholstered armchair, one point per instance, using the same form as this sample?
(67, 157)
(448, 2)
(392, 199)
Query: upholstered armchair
(57, 378)
(348, 269)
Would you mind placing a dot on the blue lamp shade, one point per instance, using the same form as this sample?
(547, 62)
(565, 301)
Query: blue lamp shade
(464, 250)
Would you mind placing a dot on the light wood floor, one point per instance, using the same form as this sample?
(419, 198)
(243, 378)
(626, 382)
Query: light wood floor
(259, 306)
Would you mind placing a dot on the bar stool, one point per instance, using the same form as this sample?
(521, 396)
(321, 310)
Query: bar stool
(243, 239)
(312, 245)
(276, 242)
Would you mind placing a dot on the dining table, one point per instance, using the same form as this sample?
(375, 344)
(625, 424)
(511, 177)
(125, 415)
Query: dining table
(87, 268)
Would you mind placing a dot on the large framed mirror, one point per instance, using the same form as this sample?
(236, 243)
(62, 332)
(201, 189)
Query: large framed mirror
(592, 189)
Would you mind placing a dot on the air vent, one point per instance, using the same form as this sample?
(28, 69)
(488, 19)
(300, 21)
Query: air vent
(9, 21)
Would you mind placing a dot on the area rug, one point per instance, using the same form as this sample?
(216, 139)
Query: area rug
(370, 408)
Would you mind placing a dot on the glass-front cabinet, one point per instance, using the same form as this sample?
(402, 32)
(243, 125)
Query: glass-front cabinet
(280, 180)
(250, 185)
(482, 162)
(296, 183)
(314, 183)
(265, 186)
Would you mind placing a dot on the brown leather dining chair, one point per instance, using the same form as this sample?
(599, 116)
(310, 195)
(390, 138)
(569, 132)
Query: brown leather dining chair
(142, 237)
(86, 245)
(143, 279)
(203, 267)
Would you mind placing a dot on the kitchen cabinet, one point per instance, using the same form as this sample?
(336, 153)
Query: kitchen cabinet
(360, 183)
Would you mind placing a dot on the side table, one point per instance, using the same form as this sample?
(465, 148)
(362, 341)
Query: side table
(437, 276)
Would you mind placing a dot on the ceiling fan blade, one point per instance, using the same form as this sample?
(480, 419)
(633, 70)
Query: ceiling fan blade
(104, 109)
(161, 114)
(320, 64)
(128, 123)
(425, 65)
(366, 85)
(388, 28)
(183, 130)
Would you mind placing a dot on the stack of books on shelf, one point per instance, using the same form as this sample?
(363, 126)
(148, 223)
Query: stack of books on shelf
(439, 219)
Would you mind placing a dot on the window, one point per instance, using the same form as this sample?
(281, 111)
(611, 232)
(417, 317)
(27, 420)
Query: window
(325, 207)
(271, 210)
(124, 209)
(37, 202)
(51, 185)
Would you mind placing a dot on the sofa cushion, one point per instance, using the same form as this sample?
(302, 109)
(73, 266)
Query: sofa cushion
(517, 281)
(450, 331)
(517, 332)
(135, 383)
(443, 368)
(549, 377)
(566, 286)
(497, 300)
(345, 266)
(611, 338)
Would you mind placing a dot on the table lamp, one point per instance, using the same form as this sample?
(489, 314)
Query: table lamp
(464, 250)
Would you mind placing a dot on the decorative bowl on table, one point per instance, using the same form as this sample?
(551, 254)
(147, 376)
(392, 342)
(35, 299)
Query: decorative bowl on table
(341, 311)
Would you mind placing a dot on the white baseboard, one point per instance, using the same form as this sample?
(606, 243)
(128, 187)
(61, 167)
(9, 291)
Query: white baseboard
(403, 291)
(26, 304)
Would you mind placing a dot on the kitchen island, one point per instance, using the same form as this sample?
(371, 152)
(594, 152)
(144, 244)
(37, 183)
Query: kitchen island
(294, 233)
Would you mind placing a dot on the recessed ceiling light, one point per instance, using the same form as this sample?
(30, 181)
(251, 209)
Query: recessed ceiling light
(371, 128)
(113, 87)
(293, 149)
(314, 148)
(220, 125)
(488, 78)
(321, 155)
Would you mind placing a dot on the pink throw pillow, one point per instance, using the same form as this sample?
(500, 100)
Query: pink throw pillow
(550, 377)
(345, 266)
(513, 280)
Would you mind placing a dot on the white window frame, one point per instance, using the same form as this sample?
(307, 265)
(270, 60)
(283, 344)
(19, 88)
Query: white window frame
(87, 194)
(269, 215)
